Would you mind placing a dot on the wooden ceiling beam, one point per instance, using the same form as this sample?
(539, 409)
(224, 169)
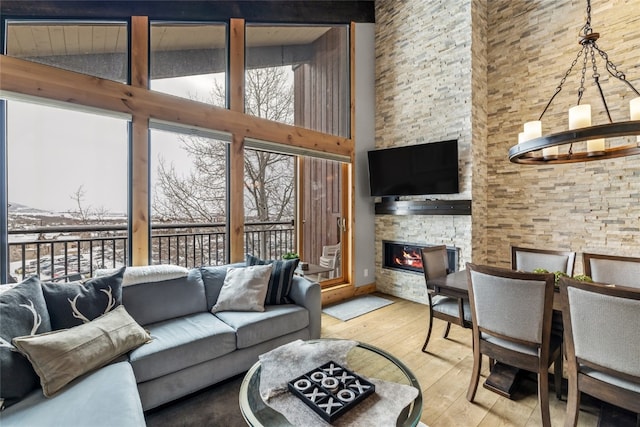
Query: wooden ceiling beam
(43, 81)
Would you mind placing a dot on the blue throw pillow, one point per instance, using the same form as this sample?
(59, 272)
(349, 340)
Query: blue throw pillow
(23, 311)
(281, 278)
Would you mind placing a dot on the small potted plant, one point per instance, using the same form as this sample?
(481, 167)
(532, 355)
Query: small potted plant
(290, 255)
(559, 274)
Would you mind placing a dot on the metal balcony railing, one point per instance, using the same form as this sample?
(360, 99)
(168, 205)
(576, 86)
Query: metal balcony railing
(72, 252)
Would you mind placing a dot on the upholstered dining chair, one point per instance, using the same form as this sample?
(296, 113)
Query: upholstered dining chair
(528, 259)
(602, 340)
(450, 309)
(511, 316)
(617, 270)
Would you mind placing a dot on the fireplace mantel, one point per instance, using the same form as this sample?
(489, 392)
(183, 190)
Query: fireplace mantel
(424, 207)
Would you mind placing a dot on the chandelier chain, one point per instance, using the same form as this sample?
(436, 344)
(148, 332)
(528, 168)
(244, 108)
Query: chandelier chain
(559, 87)
(613, 70)
(586, 29)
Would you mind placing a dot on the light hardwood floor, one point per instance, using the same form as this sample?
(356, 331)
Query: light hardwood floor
(400, 329)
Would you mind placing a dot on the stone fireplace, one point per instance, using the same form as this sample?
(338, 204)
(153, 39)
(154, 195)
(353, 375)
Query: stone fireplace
(453, 231)
(405, 257)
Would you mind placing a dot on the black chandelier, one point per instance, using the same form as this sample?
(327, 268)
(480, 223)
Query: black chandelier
(535, 148)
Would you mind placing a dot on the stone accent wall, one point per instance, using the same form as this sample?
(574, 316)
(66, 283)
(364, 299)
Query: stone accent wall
(583, 207)
(424, 94)
(476, 70)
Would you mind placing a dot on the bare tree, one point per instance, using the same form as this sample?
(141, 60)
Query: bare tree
(82, 211)
(87, 214)
(269, 177)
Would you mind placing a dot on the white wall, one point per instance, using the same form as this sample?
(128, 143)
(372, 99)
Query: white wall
(365, 97)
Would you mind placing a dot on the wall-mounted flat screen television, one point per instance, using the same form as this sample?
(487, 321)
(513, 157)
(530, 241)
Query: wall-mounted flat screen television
(421, 169)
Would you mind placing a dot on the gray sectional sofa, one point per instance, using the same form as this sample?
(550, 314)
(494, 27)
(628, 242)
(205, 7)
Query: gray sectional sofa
(191, 348)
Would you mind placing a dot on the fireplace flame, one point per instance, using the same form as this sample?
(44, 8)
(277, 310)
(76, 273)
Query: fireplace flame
(409, 258)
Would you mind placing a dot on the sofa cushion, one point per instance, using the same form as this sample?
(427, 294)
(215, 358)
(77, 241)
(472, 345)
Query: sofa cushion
(23, 311)
(157, 301)
(74, 303)
(58, 357)
(281, 277)
(104, 398)
(244, 289)
(180, 343)
(256, 327)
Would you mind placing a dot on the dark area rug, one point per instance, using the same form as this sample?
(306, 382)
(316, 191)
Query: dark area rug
(213, 406)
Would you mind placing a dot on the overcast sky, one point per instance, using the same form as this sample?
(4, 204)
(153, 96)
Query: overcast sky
(54, 151)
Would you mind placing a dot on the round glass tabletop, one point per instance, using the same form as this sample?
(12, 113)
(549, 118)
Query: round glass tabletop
(363, 359)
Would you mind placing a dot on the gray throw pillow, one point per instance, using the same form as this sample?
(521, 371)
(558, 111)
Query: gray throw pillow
(244, 289)
(23, 311)
(281, 278)
(74, 303)
(213, 278)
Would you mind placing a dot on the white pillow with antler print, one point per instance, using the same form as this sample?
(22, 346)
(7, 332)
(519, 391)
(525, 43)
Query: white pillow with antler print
(23, 311)
(75, 303)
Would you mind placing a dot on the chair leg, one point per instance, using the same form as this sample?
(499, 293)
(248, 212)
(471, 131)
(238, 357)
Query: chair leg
(475, 373)
(557, 376)
(543, 397)
(426, 341)
(446, 330)
(573, 403)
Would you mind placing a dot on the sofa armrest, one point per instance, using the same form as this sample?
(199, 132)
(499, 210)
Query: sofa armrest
(307, 294)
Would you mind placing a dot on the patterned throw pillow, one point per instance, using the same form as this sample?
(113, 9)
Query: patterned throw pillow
(75, 303)
(281, 278)
(23, 311)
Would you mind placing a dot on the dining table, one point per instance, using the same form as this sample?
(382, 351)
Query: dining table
(502, 379)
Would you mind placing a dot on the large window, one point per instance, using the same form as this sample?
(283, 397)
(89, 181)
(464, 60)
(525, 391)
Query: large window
(84, 188)
(299, 75)
(189, 169)
(190, 61)
(67, 191)
(305, 71)
(67, 170)
(94, 48)
(269, 203)
(189, 199)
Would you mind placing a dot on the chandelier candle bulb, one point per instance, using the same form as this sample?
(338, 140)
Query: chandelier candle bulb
(595, 146)
(532, 130)
(634, 111)
(634, 108)
(579, 116)
(521, 138)
(550, 152)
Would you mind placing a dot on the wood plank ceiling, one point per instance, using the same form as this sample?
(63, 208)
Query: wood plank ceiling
(31, 39)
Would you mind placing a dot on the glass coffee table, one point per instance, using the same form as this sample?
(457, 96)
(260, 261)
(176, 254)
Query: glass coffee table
(363, 359)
